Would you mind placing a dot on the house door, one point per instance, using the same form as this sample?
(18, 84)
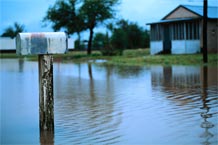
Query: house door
(166, 40)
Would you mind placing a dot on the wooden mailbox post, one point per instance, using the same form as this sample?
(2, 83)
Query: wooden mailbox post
(44, 45)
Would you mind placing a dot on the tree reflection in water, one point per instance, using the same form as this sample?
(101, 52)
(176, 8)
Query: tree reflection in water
(88, 114)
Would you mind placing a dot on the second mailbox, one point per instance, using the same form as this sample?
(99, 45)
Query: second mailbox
(41, 43)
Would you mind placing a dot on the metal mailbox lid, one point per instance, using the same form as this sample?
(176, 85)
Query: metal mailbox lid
(41, 43)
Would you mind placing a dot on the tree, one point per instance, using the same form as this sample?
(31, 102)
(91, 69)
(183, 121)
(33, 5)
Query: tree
(64, 15)
(12, 31)
(95, 12)
(78, 15)
(146, 39)
(128, 35)
(119, 39)
(99, 41)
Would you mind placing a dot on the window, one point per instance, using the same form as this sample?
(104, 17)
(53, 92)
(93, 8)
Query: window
(156, 32)
(178, 31)
(192, 30)
(185, 30)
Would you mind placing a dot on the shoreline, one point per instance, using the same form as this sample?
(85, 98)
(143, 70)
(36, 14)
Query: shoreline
(134, 57)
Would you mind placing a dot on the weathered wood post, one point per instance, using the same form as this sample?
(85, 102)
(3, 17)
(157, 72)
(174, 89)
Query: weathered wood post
(46, 99)
(44, 45)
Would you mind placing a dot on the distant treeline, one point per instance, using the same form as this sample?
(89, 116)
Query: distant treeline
(122, 35)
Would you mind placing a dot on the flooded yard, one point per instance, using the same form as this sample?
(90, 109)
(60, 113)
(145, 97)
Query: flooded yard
(105, 104)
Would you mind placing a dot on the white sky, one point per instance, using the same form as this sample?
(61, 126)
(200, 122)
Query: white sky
(31, 12)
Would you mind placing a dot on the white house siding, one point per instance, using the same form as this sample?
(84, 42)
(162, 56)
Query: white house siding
(70, 44)
(178, 47)
(156, 47)
(7, 43)
(192, 46)
(185, 46)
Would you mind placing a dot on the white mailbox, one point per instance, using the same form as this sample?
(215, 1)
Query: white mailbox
(41, 43)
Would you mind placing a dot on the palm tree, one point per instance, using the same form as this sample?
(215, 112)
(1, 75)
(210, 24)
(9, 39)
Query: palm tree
(13, 31)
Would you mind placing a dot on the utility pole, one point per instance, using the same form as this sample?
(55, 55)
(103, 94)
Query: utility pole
(205, 58)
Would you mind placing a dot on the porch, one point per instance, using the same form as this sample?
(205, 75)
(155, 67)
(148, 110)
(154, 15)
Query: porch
(175, 37)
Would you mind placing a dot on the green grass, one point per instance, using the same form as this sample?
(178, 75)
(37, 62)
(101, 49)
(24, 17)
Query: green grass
(142, 57)
(8, 55)
(72, 55)
(136, 52)
(136, 57)
(195, 59)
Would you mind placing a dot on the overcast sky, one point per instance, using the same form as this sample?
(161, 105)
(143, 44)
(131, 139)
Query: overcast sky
(31, 12)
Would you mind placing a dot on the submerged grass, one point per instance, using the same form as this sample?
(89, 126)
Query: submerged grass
(136, 57)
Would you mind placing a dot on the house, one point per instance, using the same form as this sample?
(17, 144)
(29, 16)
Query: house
(7, 44)
(181, 31)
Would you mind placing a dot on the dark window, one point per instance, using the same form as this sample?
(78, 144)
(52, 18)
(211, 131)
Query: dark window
(192, 31)
(178, 31)
(156, 32)
(182, 31)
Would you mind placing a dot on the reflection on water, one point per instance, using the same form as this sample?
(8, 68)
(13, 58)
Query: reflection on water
(195, 91)
(46, 137)
(207, 135)
(104, 104)
(87, 106)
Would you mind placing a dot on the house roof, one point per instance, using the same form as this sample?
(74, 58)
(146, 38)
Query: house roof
(212, 10)
(198, 10)
(173, 20)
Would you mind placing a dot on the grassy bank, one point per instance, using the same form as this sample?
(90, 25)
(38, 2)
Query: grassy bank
(74, 55)
(142, 57)
(131, 57)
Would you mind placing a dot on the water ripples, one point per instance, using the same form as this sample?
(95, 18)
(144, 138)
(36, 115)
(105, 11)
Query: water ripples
(97, 104)
(133, 109)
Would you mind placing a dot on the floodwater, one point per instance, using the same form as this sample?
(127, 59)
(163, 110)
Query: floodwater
(99, 104)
